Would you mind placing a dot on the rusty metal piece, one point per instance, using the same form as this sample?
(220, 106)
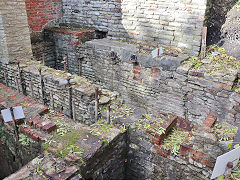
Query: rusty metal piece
(96, 104)
(65, 64)
(108, 114)
(230, 164)
(44, 59)
(73, 110)
(80, 65)
(204, 43)
(170, 54)
(41, 84)
(5, 77)
(17, 83)
(70, 98)
(51, 99)
(20, 83)
(14, 123)
(31, 88)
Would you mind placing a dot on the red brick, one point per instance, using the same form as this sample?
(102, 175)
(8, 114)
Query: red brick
(45, 110)
(14, 97)
(137, 79)
(136, 72)
(59, 114)
(35, 136)
(210, 120)
(207, 163)
(162, 153)
(224, 86)
(200, 154)
(155, 70)
(35, 120)
(49, 127)
(198, 74)
(195, 158)
(30, 121)
(137, 68)
(156, 141)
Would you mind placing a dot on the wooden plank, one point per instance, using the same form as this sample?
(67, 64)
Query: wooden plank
(204, 43)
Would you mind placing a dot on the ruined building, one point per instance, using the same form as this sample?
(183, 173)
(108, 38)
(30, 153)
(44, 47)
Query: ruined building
(75, 65)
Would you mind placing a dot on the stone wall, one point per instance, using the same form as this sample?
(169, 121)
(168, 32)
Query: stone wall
(147, 160)
(83, 92)
(14, 31)
(40, 13)
(67, 43)
(175, 23)
(3, 42)
(162, 84)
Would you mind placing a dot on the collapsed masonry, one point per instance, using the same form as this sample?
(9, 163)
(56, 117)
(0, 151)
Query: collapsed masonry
(152, 99)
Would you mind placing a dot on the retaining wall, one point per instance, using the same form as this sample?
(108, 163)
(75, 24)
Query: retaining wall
(176, 23)
(162, 84)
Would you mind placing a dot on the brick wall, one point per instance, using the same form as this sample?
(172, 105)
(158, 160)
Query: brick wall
(42, 12)
(14, 31)
(170, 22)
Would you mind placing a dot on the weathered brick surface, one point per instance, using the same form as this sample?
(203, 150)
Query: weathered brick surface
(40, 13)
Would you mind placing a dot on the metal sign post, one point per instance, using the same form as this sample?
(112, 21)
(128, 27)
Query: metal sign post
(5, 77)
(68, 83)
(64, 64)
(41, 84)
(157, 52)
(224, 161)
(108, 114)
(14, 123)
(13, 114)
(20, 77)
(80, 65)
(43, 59)
(96, 104)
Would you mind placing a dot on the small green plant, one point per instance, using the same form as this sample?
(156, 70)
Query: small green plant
(24, 140)
(174, 139)
(146, 123)
(224, 131)
(25, 104)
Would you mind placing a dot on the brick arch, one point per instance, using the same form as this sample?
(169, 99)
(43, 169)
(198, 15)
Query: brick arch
(41, 12)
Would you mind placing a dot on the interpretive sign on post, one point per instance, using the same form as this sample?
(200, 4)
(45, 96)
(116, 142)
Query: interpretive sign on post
(17, 111)
(157, 52)
(222, 161)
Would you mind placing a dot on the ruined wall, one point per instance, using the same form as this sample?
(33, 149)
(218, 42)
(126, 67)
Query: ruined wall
(40, 13)
(175, 22)
(162, 84)
(67, 43)
(14, 31)
(83, 93)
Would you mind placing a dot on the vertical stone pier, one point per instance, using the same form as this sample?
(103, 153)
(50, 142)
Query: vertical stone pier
(14, 31)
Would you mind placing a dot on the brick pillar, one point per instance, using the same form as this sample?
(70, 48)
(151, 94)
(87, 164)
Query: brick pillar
(14, 31)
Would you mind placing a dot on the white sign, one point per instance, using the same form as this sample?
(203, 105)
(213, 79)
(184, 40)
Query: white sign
(157, 52)
(17, 111)
(221, 163)
(64, 82)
